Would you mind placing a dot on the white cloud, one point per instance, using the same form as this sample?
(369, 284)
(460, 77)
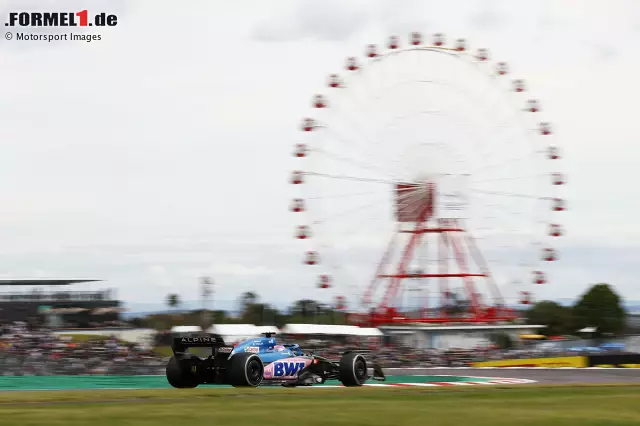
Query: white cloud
(324, 20)
(235, 269)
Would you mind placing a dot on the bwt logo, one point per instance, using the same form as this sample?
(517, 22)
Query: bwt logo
(287, 369)
(60, 19)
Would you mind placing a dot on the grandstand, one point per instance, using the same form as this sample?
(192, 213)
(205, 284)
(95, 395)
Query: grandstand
(48, 302)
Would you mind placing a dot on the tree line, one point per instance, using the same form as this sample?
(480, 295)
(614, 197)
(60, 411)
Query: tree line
(251, 311)
(599, 307)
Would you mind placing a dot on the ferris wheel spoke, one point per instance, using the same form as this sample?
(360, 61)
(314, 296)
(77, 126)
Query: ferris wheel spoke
(497, 212)
(348, 212)
(440, 112)
(412, 199)
(447, 112)
(353, 178)
(501, 138)
(368, 156)
(458, 155)
(513, 225)
(516, 114)
(481, 107)
(434, 82)
(355, 194)
(496, 136)
(357, 164)
(497, 203)
(511, 194)
(538, 175)
(367, 82)
(341, 107)
(502, 124)
(500, 144)
(359, 105)
(353, 125)
(397, 119)
(503, 163)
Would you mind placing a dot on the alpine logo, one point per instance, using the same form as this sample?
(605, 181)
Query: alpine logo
(198, 340)
(287, 369)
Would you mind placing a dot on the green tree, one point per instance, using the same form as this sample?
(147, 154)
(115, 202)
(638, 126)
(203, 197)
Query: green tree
(247, 300)
(262, 314)
(501, 340)
(173, 300)
(557, 318)
(600, 307)
(304, 308)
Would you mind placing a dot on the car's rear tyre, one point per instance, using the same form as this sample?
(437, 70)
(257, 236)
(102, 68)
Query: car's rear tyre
(179, 375)
(353, 369)
(245, 370)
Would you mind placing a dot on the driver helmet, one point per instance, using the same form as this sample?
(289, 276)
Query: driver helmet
(279, 348)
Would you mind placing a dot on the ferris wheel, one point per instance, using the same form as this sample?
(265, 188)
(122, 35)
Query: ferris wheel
(428, 186)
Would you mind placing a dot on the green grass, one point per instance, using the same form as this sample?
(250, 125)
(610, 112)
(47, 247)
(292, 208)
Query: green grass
(163, 351)
(81, 338)
(524, 405)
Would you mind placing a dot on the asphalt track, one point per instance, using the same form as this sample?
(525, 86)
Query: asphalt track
(548, 376)
(557, 376)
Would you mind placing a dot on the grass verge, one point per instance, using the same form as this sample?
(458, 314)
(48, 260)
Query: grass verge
(526, 405)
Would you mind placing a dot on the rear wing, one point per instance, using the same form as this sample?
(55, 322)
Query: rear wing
(181, 343)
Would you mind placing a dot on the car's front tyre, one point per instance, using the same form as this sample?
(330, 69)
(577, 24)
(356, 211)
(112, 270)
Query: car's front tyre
(353, 369)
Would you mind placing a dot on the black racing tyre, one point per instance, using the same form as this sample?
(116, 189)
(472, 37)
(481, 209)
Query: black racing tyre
(245, 370)
(179, 376)
(353, 369)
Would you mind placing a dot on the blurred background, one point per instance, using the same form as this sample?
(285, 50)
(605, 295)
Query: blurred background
(86, 333)
(146, 181)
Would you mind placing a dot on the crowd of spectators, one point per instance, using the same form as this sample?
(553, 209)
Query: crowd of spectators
(35, 351)
(397, 356)
(32, 350)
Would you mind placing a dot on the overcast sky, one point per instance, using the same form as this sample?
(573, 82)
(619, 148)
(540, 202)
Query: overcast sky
(163, 151)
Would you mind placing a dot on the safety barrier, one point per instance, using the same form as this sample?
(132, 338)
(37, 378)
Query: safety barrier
(615, 360)
(567, 361)
(601, 361)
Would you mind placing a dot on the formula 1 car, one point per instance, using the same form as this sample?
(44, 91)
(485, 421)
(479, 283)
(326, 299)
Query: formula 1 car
(260, 361)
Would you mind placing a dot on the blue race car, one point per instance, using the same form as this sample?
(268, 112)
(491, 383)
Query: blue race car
(260, 361)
